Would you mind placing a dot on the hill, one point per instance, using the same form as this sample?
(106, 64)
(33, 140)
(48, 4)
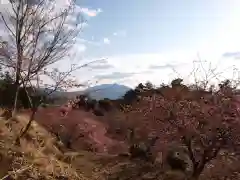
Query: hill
(110, 91)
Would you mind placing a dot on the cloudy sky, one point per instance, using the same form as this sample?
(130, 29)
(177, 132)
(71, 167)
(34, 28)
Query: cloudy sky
(157, 40)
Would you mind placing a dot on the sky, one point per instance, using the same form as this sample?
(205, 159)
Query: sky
(157, 40)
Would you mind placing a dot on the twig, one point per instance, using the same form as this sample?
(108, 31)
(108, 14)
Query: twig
(17, 171)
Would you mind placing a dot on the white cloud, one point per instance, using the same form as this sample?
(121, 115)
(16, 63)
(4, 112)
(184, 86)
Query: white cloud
(81, 47)
(106, 41)
(74, 18)
(91, 42)
(139, 67)
(94, 42)
(120, 33)
(90, 12)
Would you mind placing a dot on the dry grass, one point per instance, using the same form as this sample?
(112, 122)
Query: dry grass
(41, 156)
(37, 157)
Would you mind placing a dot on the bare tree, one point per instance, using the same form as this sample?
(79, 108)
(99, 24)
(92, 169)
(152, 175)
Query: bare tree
(40, 33)
(60, 81)
(211, 73)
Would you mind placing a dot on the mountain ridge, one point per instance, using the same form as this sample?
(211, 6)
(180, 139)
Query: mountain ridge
(110, 91)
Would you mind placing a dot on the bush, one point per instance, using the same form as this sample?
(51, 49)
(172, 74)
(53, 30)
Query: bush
(7, 113)
(98, 112)
(143, 149)
(44, 105)
(176, 82)
(105, 104)
(91, 103)
(8, 91)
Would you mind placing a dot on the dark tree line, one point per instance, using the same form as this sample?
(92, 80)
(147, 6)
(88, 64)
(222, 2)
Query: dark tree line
(8, 90)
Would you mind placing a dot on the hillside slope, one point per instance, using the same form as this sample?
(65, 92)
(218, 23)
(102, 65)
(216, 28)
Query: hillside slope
(38, 156)
(85, 130)
(41, 155)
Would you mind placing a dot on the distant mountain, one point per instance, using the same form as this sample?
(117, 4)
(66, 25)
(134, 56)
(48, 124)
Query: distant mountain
(110, 91)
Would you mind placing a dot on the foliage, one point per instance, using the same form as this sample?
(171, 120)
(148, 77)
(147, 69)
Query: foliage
(140, 86)
(7, 93)
(149, 85)
(176, 82)
(98, 112)
(204, 122)
(130, 96)
(141, 149)
(105, 104)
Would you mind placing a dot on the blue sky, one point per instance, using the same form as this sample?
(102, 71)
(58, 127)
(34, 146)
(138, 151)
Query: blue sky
(156, 40)
(156, 25)
(145, 39)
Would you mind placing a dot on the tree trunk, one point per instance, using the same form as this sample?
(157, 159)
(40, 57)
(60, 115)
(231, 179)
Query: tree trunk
(197, 172)
(18, 75)
(14, 111)
(34, 110)
(23, 132)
